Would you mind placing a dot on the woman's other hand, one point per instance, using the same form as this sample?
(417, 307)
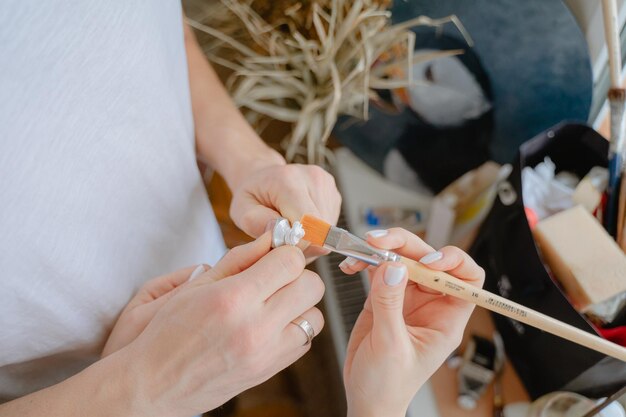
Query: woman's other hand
(405, 331)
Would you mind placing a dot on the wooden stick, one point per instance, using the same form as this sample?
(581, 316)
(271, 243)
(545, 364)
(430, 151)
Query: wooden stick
(447, 284)
(611, 34)
(617, 100)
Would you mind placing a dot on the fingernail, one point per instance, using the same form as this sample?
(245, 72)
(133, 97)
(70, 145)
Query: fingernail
(377, 233)
(196, 272)
(394, 275)
(431, 257)
(348, 262)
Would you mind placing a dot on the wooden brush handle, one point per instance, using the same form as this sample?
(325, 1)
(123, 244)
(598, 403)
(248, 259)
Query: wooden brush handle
(447, 284)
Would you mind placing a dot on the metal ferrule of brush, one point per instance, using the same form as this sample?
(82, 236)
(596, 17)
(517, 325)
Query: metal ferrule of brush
(344, 242)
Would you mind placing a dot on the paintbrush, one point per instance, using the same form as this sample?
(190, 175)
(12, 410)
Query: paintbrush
(617, 104)
(317, 232)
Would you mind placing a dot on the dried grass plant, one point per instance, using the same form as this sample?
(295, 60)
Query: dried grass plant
(305, 62)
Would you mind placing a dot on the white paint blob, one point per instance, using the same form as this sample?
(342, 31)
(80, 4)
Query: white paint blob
(284, 234)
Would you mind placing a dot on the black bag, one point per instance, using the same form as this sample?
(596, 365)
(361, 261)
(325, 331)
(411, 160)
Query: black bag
(505, 248)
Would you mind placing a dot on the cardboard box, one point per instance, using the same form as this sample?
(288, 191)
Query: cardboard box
(583, 257)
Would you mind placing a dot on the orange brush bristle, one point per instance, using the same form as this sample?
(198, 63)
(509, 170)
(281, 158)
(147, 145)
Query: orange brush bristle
(315, 230)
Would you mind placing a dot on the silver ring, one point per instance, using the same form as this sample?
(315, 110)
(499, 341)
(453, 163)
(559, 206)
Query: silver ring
(306, 327)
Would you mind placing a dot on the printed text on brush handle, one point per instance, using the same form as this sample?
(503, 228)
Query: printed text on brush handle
(447, 284)
(474, 295)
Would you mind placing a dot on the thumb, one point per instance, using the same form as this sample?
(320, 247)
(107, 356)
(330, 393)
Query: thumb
(237, 260)
(160, 286)
(251, 216)
(387, 300)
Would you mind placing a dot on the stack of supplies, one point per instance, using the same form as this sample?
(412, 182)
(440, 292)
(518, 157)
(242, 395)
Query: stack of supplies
(566, 216)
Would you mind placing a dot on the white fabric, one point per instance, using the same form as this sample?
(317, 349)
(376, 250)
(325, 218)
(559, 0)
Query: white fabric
(445, 92)
(99, 187)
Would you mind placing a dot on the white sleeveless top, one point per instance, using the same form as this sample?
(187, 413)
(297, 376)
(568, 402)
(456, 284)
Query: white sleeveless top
(99, 187)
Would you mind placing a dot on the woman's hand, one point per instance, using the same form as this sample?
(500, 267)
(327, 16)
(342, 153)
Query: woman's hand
(288, 191)
(404, 332)
(145, 304)
(224, 332)
(154, 293)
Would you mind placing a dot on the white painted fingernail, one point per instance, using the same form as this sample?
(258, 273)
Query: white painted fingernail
(431, 257)
(377, 233)
(196, 272)
(349, 261)
(394, 275)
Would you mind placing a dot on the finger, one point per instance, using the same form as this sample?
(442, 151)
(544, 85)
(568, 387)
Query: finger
(456, 262)
(415, 295)
(146, 305)
(237, 260)
(201, 269)
(447, 315)
(351, 266)
(452, 318)
(324, 193)
(312, 252)
(427, 290)
(153, 306)
(272, 272)
(304, 190)
(296, 297)
(387, 301)
(161, 285)
(284, 355)
(404, 243)
(294, 337)
(400, 241)
(293, 205)
(251, 216)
